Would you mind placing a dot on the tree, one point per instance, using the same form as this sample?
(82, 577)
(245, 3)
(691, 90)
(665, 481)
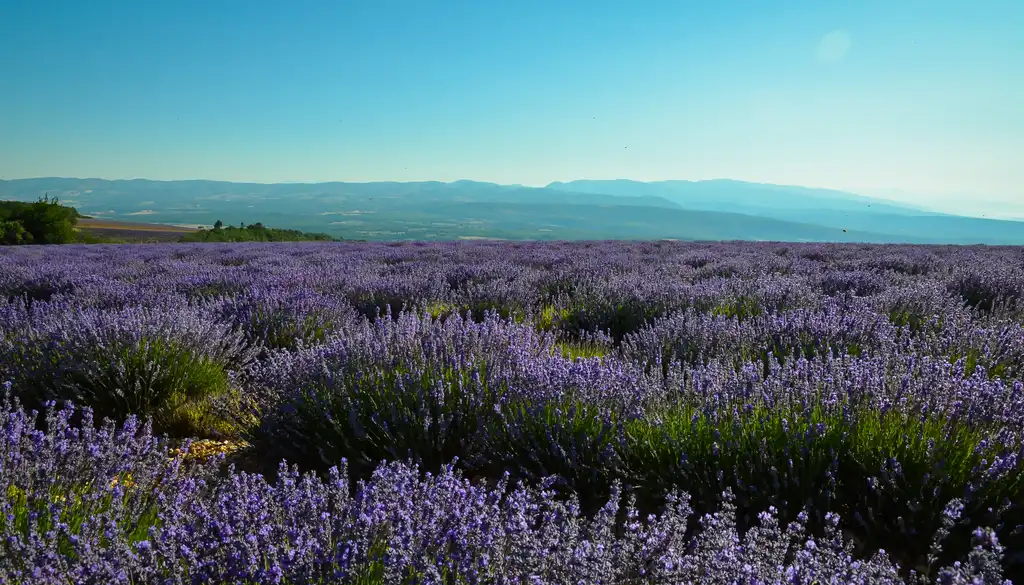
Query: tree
(49, 222)
(219, 224)
(13, 233)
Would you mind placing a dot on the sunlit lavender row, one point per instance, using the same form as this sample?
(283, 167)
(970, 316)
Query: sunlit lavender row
(552, 413)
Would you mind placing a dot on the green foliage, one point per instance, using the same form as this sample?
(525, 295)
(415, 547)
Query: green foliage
(373, 304)
(550, 318)
(618, 319)
(817, 458)
(45, 221)
(915, 321)
(787, 456)
(77, 502)
(282, 330)
(478, 310)
(13, 233)
(373, 572)
(440, 310)
(211, 289)
(581, 349)
(572, 440)
(155, 379)
(256, 232)
(804, 345)
(369, 415)
(996, 365)
(171, 385)
(741, 307)
(751, 452)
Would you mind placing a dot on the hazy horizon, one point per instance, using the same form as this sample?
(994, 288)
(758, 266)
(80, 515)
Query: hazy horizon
(963, 206)
(918, 100)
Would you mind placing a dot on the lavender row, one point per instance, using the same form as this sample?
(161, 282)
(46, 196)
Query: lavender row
(106, 505)
(524, 275)
(278, 295)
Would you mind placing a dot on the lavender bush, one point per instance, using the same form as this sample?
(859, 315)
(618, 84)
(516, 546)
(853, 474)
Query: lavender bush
(170, 365)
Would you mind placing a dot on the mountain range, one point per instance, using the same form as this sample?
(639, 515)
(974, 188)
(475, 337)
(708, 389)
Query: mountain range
(619, 209)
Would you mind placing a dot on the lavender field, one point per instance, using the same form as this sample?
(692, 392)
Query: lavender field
(483, 412)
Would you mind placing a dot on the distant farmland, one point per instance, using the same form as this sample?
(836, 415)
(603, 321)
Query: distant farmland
(122, 230)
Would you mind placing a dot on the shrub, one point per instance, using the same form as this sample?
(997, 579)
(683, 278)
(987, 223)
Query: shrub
(410, 388)
(986, 289)
(170, 367)
(367, 416)
(616, 318)
(572, 442)
(284, 319)
(894, 403)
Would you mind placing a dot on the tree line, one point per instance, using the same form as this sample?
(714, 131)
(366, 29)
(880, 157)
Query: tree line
(255, 232)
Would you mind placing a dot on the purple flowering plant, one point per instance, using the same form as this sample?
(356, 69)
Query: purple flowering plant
(599, 412)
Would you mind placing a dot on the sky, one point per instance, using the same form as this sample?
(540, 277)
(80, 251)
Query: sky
(920, 101)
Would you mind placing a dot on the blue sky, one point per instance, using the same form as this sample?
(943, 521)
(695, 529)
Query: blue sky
(920, 100)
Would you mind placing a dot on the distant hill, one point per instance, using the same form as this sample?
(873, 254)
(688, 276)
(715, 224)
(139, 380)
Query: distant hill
(728, 195)
(712, 210)
(837, 209)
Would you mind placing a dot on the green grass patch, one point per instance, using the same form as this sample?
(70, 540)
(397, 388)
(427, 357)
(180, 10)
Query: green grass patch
(440, 310)
(741, 308)
(581, 349)
(550, 317)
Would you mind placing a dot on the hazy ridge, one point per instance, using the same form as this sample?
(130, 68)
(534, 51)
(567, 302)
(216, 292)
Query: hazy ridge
(622, 209)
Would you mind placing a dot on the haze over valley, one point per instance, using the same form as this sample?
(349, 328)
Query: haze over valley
(684, 210)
